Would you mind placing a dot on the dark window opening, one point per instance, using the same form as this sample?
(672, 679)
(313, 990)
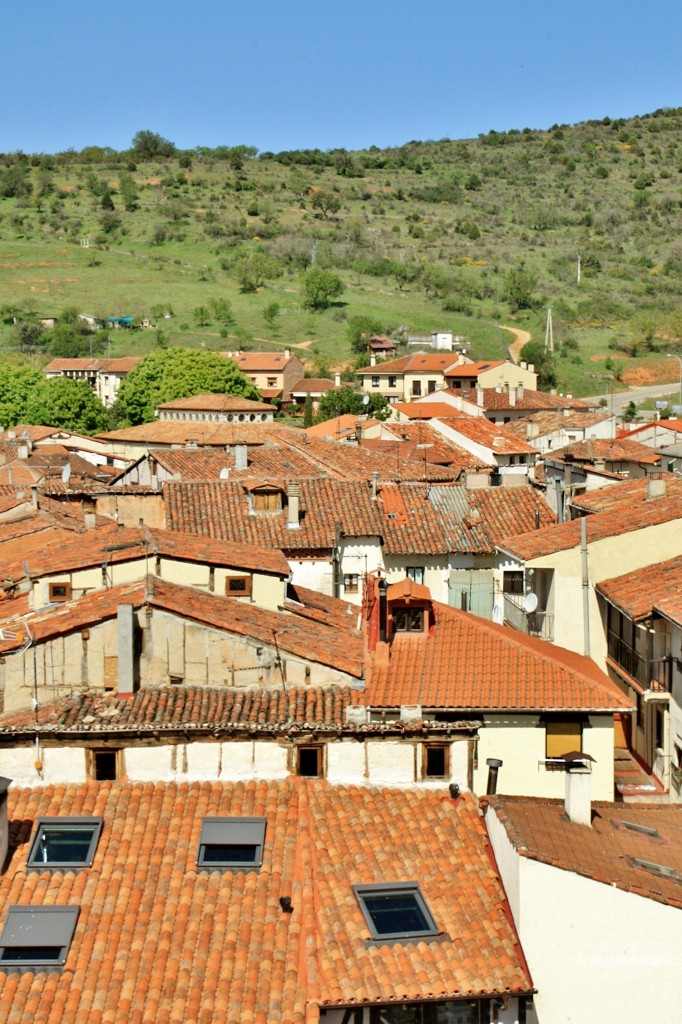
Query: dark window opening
(61, 843)
(231, 843)
(238, 585)
(37, 937)
(59, 592)
(512, 581)
(351, 583)
(408, 620)
(415, 573)
(104, 765)
(395, 911)
(309, 762)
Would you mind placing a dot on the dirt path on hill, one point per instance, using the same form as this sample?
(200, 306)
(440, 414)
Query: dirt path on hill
(521, 338)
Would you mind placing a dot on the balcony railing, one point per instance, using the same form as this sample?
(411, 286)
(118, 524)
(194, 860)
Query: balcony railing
(538, 623)
(625, 656)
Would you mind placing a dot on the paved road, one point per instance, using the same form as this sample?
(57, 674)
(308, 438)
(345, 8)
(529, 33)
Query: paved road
(620, 399)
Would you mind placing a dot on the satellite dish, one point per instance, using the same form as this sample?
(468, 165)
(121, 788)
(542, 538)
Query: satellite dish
(365, 399)
(530, 603)
(224, 473)
(66, 473)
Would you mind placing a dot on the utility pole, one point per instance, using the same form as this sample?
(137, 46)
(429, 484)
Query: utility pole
(549, 332)
(579, 266)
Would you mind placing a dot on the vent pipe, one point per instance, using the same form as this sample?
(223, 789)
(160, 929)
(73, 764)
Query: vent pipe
(494, 765)
(383, 610)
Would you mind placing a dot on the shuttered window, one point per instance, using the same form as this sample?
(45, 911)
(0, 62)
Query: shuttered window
(563, 737)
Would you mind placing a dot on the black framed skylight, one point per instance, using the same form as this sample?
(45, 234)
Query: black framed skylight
(231, 844)
(395, 910)
(64, 843)
(37, 938)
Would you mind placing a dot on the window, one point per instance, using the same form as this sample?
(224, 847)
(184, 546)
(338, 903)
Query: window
(393, 382)
(431, 386)
(416, 387)
(272, 382)
(231, 843)
(436, 761)
(59, 592)
(309, 761)
(375, 382)
(104, 765)
(408, 620)
(395, 911)
(563, 736)
(238, 586)
(267, 501)
(512, 581)
(460, 1012)
(37, 937)
(415, 573)
(64, 843)
(351, 582)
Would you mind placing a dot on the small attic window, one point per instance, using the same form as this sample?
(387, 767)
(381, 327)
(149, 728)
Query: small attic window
(395, 910)
(64, 843)
(408, 620)
(231, 844)
(59, 592)
(266, 500)
(238, 586)
(37, 937)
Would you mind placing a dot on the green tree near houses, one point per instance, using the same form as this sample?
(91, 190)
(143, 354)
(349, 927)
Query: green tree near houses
(71, 404)
(173, 373)
(320, 288)
(16, 386)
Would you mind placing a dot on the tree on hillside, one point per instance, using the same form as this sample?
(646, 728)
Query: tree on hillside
(178, 373)
(148, 145)
(518, 287)
(360, 329)
(535, 352)
(254, 270)
(71, 404)
(16, 385)
(326, 202)
(348, 400)
(320, 287)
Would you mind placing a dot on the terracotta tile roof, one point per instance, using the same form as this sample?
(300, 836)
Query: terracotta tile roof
(122, 365)
(497, 399)
(608, 450)
(629, 493)
(159, 939)
(540, 831)
(314, 637)
(468, 663)
(632, 432)
(473, 369)
(423, 410)
(339, 427)
(33, 433)
(490, 435)
(313, 386)
(110, 544)
(538, 424)
(421, 362)
(612, 523)
(260, 362)
(215, 402)
(638, 593)
(177, 432)
(18, 473)
(427, 443)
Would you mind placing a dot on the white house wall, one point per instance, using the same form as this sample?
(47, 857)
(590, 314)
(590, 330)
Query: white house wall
(519, 742)
(596, 953)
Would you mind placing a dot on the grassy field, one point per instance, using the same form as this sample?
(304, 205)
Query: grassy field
(425, 236)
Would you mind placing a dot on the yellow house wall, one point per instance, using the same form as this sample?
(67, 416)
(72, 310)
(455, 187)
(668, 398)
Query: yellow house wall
(508, 373)
(519, 741)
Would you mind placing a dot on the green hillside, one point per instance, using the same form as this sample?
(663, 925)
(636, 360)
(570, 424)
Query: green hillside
(431, 235)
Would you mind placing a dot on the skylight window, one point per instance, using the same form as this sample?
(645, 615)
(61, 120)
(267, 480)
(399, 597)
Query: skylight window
(64, 843)
(395, 910)
(644, 829)
(662, 870)
(35, 938)
(231, 844)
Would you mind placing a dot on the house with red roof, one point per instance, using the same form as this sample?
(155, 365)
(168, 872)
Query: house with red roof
(273, 373)
(425, 373)
(104, 376)
(291, 901)
(216, 408)
(596, 895)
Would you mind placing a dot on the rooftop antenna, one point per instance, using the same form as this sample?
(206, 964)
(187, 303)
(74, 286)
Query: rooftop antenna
(549, 332)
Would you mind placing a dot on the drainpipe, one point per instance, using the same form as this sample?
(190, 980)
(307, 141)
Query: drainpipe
(494, 765)
(586, 588)
(336, 563)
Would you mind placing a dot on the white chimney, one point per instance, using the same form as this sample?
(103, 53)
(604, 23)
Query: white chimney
(372, 360)
(512, 395)
(479, 396)
(287, 353)
(519, 391)
(655, 488)
(241, 456)
(337, 380)
(293, 507)
(126, 649)
(578, 805)
(90, 520)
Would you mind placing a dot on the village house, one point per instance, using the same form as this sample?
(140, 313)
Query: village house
(273, 373)
(231, 901)
(502, 404)
(215, 408)
(412, 377)
(642, 616)
(595, 894)
(18, 442)
(104, 376)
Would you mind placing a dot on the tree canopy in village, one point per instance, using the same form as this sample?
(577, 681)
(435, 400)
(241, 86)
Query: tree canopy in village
(178, 373)
(28, 397)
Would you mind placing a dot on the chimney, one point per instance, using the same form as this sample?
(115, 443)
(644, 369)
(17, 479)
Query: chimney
(655, 488)
(372, 360)
(531, 367)
(512, 395)
(126, 650)
(519, 391)
(241, 456)
(337, 380)
(89, 520)
(494, 765)
(287, 353)
(383, 611)
(460, 359)
(293, 507)
(479, 396)
(532, 430)
(375, 481)
(578, 806)
(34, 496)
(23, 451)
(524, 365)
(4, 823)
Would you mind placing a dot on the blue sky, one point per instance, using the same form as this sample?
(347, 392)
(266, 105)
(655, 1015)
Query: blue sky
(310, 73)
